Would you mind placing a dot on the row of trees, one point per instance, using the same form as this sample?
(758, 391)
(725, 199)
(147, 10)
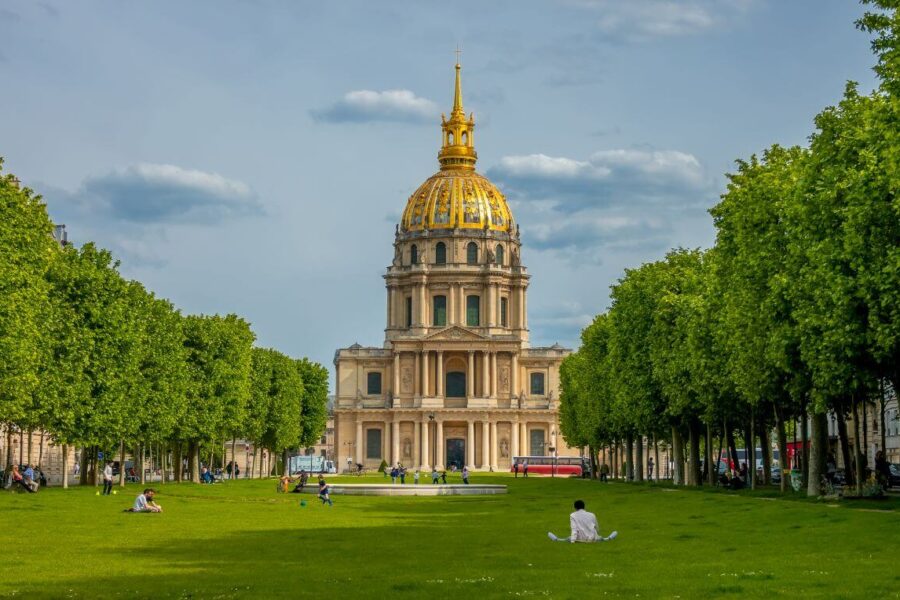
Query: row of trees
(99, 361)
(792, 315)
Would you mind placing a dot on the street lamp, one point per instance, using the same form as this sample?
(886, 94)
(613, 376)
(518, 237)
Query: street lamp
(553, 452)
(349, 445)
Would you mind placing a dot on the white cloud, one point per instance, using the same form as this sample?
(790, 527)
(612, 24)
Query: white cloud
(362, 106)
(641, 20)
(153, 193)
(618, 177)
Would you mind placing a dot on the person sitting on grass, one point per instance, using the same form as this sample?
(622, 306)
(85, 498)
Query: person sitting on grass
(206, 476)
(18, 480)
(144, 503)
(323, 492)
(584, 527)
(301, 482)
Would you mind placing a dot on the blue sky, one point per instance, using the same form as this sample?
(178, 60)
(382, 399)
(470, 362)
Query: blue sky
(253, 156)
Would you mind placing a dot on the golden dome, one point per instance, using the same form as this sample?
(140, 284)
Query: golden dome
(457, 196)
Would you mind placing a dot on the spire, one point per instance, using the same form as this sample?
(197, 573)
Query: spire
(458, 148)
(457, 94)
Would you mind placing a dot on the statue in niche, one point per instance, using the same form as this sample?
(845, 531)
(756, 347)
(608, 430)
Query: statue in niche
(491, 258)
(504, 448)
(504, 379)
(406, 380)
(514, 257)
(407, 448)
(398, 258)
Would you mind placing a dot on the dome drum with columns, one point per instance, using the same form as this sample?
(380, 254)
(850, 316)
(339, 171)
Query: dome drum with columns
(455, 381)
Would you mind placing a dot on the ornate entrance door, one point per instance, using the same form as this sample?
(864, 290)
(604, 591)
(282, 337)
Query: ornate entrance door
(456, 452)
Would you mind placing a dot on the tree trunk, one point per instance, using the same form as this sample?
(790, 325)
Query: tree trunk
(694, 477)
(883, 402)
(656, 458)
(751, 451)
(65, 466)
(857, 455)
(30, 445)
(732, 448)
(233, 457)
(766, 442)
(251, 472)
(710, 468)
(176, 462)
(122, 463)
(40, 461)
(864, 447)
(95, 462)
(9, 449)
(818, 449)
(629, 457)
(639, 458)
(804, 442)
(677, 457)
(194, 458)
(163, 451)
(83, 461)
(846, 459)
(782, 448)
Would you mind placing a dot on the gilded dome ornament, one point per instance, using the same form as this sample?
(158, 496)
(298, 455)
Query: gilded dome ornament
(457, 197)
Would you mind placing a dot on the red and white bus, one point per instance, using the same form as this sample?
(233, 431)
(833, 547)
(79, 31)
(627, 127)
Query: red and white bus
(551, 465)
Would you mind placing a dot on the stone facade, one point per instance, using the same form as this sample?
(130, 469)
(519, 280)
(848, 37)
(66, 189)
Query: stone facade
(455, 381)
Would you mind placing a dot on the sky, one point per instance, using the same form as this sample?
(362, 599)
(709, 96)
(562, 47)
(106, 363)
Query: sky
(254, 156)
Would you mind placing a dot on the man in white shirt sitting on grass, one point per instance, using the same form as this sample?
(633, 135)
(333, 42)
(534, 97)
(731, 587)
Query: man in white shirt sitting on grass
(584, 527)
(144, 503)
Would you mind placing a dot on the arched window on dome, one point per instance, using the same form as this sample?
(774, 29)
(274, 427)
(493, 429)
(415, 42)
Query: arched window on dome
(440, 254)
(414, 255)
(450, 138)
(472, 253)
(499, 254)
(465, 138)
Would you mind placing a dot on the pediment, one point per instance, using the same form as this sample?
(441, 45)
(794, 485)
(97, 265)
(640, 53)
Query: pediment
(455, 334)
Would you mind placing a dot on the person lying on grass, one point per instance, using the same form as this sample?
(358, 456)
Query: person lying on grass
(144, 503)
(584, 527)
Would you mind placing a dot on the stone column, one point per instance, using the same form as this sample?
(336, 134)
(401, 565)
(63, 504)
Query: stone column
(359, 439)
(451, 305)
(390, 305)
(417, 377)
(520, 317)
(470, 446)
(425, 448)
(485, 445)
(417, 446)
(462, 305)
(395, 384)
(439, 441)
(514, 374)
(495, 446)
(470, 376)
(439, 376)
(425, 386)
(524, 309)
(493, 374)
(422, 321)
(489, 308)
(486, 374)
(395, 442)
(523, 439)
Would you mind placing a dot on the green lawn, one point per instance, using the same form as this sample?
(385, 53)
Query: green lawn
(242, 540)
